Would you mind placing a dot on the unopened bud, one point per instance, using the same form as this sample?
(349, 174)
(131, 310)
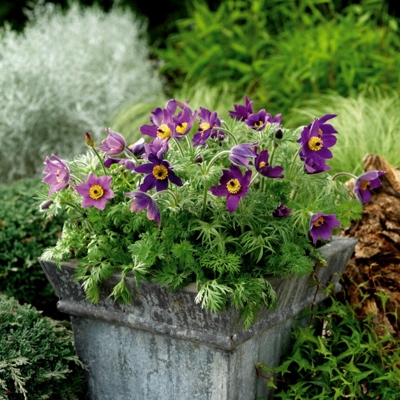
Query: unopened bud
(89, 140)
(45, 205)
(279, 133)
(198, 159)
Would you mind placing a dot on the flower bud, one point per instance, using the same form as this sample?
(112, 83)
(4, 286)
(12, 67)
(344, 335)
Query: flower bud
(45, 205)
(279, 133)
(198, 159)
(89, 140)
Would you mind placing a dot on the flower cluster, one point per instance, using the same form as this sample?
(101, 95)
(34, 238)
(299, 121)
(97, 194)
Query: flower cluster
(244, 186)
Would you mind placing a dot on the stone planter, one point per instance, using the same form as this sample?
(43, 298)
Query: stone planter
(164, 346)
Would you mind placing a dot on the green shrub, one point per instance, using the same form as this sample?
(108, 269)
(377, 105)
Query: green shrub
(280, 51)
(66, 74)
(345, 359)
(367, 124)
(24, 234)
(37, 356)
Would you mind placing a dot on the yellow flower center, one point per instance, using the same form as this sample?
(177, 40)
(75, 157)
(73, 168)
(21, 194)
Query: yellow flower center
(204, 126)
(262, 164)
(164, 132)
(258, 124)
(58, 173)
(160, 172)
(319, 221)
(233, 186)
(181, 128)
(315, 143)
(96, 192)
(364, 185)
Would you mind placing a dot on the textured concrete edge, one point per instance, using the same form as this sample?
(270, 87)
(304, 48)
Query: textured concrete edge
(82, 308)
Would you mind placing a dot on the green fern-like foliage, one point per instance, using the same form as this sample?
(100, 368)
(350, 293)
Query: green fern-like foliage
(341, 357)
(194, 238)
(37, 356)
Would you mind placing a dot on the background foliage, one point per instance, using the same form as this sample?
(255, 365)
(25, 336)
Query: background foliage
(24, 234)
(37, 356)
(65, 75)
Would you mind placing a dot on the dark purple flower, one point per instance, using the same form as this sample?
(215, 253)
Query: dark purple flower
(184, 122)
(242, 112)
(263, 168)
(365, 182)
(323, 128)
(129, 164)
(314, 147)
(321, 226)
(57, 174)
(233, 185)
(95, 191)
(241, 153)
(261, 120)
(159, 172)
(208, 121)
(281, 211)
(137, 148)
(142, 201)
(158, 147)
(314, 167)
(114, 144)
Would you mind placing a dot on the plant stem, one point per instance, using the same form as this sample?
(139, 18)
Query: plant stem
(179, 147)
(101, 161)
(214, 158)
(230, 134)
(293, 161)
(343, 174)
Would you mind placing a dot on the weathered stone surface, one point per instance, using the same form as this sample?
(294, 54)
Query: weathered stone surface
(164, 346)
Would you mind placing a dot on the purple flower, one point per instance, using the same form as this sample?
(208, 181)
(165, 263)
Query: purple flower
(324, 129)
(158, 147)
(242, 112)
(129, 164)
(114, 144)
(263, 168)
(163, 124)
(142, 201)
(314, 147)
(208, 121)
(137, 148)
(233, 185)
(57, 174)
(241, 153)
(184, 122)
(281, 211)
(321, 225)
(261, 120)
(365, 182)
(159, 172)
(95, 191)
(314, 167)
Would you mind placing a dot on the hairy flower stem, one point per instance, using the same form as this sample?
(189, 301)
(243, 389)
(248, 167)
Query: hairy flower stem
(293, 161)
(215, 158)
(179, 147)
(343, 174)
(230, 134)
(271, 157)
(203, 211)
(100, 159)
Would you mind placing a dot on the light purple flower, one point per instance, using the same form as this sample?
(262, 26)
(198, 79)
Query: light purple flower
(241, 153)
(233, 185)
(159, 173)
(158, 147)
(208, 121)
(321, 226)
(137, 148)
(365, 182)
(57, 174)
(95, 191)
(281, 211)
(261, 120)
(315, 167)
(314, 147)
(142, 201)
(242, 112)
(263, 168)
(184, 122)
(324, 129)
(114, 144)
(164, 126)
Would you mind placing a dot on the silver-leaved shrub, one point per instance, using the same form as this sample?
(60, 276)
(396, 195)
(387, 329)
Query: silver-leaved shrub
(65, 74)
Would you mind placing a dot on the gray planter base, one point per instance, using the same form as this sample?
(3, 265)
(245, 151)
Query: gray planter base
(164, 346)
